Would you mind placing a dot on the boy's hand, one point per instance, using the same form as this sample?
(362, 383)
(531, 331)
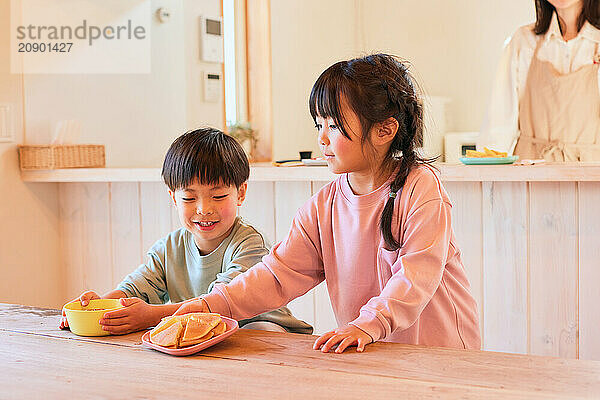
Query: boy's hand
(348, 335)
(198, 305)
(87, 296)
(85, 300)
(136, 315)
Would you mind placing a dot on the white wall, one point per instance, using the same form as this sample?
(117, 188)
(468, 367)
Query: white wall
(135, 116)
(454, 47)
(29, 245)
(199, 112)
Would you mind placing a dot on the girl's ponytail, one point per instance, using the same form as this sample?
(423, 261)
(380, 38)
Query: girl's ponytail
(413, 118)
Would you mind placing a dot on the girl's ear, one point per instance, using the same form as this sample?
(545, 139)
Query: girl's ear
(385, 131)
(242, 193)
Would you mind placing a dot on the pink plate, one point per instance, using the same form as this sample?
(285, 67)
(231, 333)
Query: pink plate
(231, 324)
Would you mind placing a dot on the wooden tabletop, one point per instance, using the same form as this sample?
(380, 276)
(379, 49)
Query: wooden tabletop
(38, 360)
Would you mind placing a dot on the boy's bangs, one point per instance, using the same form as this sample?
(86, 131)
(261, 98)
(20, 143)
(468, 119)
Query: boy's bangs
(207, 168)
(207, 156)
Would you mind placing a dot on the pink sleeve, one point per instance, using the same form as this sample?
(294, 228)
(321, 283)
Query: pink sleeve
(417, 269)
(292, 268)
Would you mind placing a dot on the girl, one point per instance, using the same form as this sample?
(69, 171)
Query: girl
(380, 233)
(546, 98)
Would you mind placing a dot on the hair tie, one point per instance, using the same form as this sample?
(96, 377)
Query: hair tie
(393, 195)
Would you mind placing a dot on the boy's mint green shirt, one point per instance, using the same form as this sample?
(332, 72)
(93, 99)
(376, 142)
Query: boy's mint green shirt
(175, 271)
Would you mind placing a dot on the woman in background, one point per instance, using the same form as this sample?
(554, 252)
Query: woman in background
(546, 97)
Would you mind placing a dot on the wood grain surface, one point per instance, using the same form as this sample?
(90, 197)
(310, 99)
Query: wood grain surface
(40, 359)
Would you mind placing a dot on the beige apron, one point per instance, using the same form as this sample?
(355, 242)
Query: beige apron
(559, 115)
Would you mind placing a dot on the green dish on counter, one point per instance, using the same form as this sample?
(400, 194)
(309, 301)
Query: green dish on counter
(488, 160)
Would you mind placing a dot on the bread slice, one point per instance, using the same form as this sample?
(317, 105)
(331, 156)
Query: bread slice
(219, 329)
(198, 327)
(187, 330)
(164, 324)
(168, 336)
(191, 342)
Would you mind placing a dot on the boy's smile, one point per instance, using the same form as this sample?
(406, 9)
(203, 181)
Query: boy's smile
(206, 225)
(208, 211)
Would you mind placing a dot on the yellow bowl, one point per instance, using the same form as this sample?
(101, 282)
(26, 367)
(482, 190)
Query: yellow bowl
(84, 321)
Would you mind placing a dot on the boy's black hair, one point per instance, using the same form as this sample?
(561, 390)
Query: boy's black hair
(206, 154)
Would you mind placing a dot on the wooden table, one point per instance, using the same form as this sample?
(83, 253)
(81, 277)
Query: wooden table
(38, 360)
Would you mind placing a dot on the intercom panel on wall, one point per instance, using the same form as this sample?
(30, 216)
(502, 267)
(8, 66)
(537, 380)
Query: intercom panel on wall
(211, 39)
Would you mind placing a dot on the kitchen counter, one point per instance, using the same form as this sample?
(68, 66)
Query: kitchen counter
(38, 359)
(266, 172)
(527, 236)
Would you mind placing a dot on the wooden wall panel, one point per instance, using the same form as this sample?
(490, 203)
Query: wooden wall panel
(317, 185)
(96, 240)
(126, 236)
(530, 251)
(466, 198)
(259, 208)
(553, 269)
(505, 266)
(589, 270)
(156, 214)
(71, 229)
(86, 234)
(324, 316)
(289, 197)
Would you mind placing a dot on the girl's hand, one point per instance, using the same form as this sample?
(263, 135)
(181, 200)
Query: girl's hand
(345, 336)
(136, 315)
(85, 300)
(196, 305)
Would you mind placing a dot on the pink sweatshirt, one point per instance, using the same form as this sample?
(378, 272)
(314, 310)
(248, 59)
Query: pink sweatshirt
(418, 294)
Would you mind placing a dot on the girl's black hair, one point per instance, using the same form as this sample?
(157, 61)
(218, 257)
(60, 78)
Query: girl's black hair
(376, 87)
(207, 155)
(544, 11)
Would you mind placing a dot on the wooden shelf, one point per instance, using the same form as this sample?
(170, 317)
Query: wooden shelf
(570, 172)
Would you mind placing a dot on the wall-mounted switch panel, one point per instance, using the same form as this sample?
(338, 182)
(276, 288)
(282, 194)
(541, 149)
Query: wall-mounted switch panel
(212, 87)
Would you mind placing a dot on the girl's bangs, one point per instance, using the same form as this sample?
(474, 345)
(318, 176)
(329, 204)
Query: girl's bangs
(324, 101)
(325, 96)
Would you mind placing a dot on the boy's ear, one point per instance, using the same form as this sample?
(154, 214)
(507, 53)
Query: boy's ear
(385, 131)
(172, 194)
(242, 193)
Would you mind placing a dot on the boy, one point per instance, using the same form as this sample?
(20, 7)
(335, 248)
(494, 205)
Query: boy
(206, 172)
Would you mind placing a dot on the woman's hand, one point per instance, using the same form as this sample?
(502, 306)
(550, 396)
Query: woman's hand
(345, 336)
(195, 305)
(85, 300)
(135, 315)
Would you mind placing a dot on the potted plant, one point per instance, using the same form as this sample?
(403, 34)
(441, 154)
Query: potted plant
(245, 135)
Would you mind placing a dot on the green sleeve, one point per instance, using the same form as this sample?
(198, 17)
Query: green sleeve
(148, 281)
(245, 254)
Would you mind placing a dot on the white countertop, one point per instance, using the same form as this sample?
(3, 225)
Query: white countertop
(267, 172)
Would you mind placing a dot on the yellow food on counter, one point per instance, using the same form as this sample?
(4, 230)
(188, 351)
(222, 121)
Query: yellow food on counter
(486, 153)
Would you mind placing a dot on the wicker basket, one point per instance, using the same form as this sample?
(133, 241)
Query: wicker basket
(62, 156)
